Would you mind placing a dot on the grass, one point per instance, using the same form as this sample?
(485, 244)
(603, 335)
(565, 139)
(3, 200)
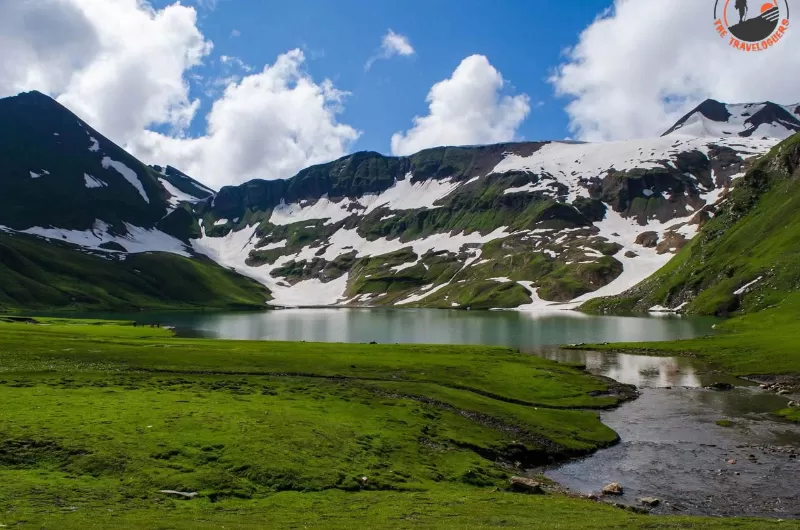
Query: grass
(100, 416)
(766, 342)
(47, 275)
(791, 414)
(725, 423)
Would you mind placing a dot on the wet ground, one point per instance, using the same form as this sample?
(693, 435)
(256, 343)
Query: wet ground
(673, 449)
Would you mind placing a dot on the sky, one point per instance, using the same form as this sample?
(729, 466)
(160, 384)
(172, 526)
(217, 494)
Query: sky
(230, 90)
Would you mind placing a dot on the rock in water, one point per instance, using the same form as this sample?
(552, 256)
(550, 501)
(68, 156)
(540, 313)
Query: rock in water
(526, 485)
(720, 386)
(650, 501)
(615, 488)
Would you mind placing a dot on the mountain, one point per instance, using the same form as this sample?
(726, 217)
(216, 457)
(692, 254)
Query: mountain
(532, 225)
(82, 222)
(47, 153)
(712, 119)
(745, 259)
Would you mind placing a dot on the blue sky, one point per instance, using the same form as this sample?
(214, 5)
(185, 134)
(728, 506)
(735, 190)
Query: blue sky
(150, 74)
(523, 40)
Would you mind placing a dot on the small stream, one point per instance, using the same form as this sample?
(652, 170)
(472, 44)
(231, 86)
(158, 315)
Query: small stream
(672, 448)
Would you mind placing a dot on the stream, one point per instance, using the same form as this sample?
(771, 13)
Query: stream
(672, 448)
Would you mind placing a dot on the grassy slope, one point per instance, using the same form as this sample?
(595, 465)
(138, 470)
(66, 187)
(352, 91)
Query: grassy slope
(754, 234)
(36, 274)
(98, 418)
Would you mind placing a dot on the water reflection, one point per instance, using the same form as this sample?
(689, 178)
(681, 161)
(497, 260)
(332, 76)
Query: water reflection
(639, 370)
(432, 326)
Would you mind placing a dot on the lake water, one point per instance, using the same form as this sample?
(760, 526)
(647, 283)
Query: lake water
(426, 326)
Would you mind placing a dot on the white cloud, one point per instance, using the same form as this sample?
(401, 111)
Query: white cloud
(232, 61)
(125, 68)
(642, 64)
(119, 64)
(465, 109)
(268, 125)
(392, 44)
(236, 33)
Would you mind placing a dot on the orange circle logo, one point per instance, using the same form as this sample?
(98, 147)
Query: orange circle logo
(751, 26)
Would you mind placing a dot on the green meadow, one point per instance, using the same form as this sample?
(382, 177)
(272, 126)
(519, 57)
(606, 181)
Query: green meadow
(100, 417)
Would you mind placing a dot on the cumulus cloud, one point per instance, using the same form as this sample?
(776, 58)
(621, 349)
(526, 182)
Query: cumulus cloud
(268, 125)
(125, 68)
(119, 64)
(391, 45)
(466, 108)
(628, 78)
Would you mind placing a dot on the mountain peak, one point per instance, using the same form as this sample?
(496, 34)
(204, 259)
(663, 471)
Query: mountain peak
(712, 118)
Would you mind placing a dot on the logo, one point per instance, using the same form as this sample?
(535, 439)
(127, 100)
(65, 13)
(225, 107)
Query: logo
(753, 26)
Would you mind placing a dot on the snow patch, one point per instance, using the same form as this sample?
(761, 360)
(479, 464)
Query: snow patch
(743, 289)
(92, 182)
(135, 241)
(128, 174)
(176, 196)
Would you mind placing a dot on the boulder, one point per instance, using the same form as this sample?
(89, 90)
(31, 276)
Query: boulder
(615, 488)
(647, 239)
(649, 501)
(526, 485)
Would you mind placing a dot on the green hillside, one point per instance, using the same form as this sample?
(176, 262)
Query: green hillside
(39, 274)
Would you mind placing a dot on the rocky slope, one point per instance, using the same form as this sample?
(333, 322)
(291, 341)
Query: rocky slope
(530, 225)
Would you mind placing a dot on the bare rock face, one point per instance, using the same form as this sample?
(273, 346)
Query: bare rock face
(615, 488)
(647, 239)
(526, 485)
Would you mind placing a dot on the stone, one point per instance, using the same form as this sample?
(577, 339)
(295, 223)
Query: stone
(615, 488)
(526, 485)
(649, 501)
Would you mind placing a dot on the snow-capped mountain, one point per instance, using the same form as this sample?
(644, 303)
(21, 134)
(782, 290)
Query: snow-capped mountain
(529, 225)
(712, 119)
